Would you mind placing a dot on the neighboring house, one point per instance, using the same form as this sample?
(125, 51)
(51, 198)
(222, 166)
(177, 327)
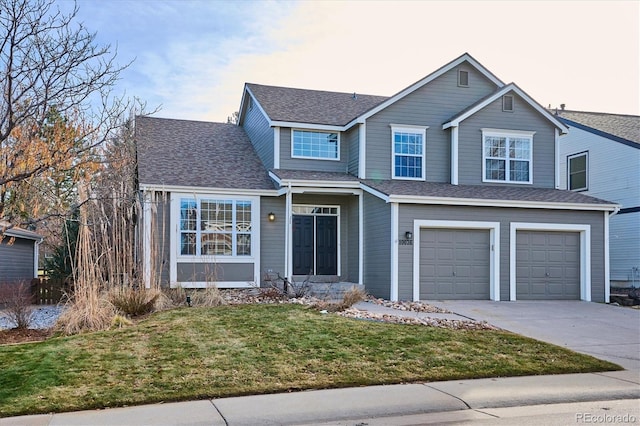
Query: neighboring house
(602, 154)
(18, 254)
(445, 190)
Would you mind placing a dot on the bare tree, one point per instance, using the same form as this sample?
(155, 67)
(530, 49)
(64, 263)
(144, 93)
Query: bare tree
(55, 100)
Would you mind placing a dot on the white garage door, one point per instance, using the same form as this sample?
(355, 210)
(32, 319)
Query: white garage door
(454, 264)
(547, 265)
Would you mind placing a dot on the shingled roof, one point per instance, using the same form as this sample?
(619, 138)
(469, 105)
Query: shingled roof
(481, 192)
(625, 127)
(199, 154)
(312, 106)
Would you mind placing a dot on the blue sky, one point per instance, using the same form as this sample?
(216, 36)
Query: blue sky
(192, 58)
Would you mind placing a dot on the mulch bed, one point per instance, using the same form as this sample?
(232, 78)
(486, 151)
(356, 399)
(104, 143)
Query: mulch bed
(14, 335)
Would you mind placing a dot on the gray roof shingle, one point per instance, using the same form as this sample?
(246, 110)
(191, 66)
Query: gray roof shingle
(622, 126)
(314, 175)
(480, 192)
(197, 153)
(312, 106)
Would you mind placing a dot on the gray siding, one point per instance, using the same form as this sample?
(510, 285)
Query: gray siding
(257, 128)
(430, 106)
(505, 216)
(16, 260)
(352, 139)
(212, 272)
(272, 256)
(350, 272)
(524, 117)
(377, 246)
(288, 163)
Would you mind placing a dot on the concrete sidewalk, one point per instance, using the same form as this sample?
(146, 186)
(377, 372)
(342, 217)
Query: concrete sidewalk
(460, 400)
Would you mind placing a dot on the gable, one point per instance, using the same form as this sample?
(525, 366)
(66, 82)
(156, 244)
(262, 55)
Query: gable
(511, 90)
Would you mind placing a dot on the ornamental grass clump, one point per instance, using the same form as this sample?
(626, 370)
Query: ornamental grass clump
(134, 302)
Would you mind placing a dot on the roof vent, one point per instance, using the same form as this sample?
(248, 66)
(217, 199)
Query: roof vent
(355, 96)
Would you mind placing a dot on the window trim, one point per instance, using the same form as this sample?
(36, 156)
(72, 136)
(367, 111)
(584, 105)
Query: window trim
(409, 128)
(586, 171)
(207, 258)
(504, 107)
(460, 84)
(304, 157)
(506, 133)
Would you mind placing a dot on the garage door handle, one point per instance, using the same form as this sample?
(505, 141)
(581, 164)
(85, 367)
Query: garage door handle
(454, 273)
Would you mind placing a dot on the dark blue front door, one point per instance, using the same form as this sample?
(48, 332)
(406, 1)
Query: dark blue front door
(315, 237)
(326, 245)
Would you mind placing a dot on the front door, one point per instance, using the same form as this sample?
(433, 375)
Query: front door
(315, 245)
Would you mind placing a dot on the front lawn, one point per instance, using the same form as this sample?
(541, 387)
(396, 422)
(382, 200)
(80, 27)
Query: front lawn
(198, 353)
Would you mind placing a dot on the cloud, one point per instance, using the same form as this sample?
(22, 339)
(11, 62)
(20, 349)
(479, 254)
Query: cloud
(194, 57)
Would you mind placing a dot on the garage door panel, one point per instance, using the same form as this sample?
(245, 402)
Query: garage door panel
(547, 265)
(461, 261)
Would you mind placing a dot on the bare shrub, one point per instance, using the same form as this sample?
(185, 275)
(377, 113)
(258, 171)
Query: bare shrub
(17, 300)
(353, 296)
(134, 301)
(271, 293)
(286, 288)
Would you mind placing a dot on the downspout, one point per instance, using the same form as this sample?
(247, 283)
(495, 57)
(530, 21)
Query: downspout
(607, 272)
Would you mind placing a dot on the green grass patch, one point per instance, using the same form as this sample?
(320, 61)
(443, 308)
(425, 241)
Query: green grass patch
(197, 353)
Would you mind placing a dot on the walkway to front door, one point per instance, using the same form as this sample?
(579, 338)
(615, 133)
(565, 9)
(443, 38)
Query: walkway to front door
(315, 244)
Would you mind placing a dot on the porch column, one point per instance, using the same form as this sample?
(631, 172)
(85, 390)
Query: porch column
(360, 239)
(288, 261)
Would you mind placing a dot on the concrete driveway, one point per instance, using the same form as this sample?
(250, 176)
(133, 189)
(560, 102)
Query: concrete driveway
(604, 331)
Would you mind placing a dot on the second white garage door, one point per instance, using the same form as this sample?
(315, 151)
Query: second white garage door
(454, 264)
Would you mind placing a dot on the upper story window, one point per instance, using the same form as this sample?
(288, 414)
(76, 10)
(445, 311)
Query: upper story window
(507, 156)
(215, 227)
(318, 145)
(408, 147)
(577, 175)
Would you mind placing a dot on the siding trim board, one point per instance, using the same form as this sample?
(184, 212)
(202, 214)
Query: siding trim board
(494, 242)
(585, 252)
(394, 252)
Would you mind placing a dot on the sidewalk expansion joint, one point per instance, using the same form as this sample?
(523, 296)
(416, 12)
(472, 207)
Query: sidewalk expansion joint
(219, 412)
(616, 378)
(448, 394)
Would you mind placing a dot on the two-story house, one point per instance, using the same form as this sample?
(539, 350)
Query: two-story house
(445, 190)
(600, 157)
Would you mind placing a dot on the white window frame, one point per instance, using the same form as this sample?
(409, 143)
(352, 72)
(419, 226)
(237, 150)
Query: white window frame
(407, 128)
(586, 171)
(206, 258)
(502, 133)
(305, 157)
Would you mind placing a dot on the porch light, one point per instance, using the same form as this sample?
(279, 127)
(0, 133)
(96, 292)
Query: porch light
(408, 235)
(271, 216)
